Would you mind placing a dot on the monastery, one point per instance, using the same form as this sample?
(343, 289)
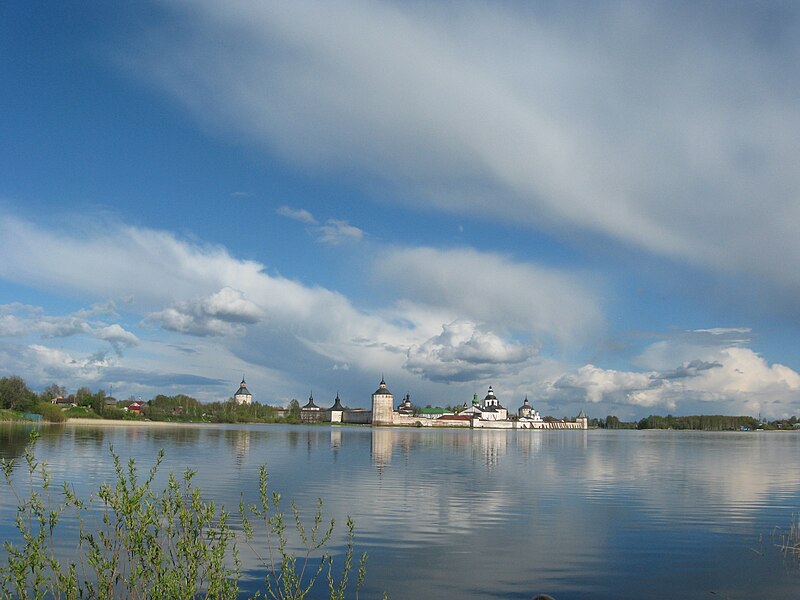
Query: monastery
(485, 414)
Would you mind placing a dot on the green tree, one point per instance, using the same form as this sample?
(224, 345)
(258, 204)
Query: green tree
(293, 416)
(15, 395)
(53, 391)
(98, 402)
(83, 397)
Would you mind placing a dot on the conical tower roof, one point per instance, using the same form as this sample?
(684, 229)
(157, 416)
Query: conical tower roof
(337, 404)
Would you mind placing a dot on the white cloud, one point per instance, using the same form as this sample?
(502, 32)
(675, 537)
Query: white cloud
(463, 352)
(298, 214)
(51, 327)
(508, 296)
(225, 312)
(59, 363)
(336, 231)
(596, 119)
(20, 320)
(736, 380)
(11, 325)
(108, 308)
(117, 336)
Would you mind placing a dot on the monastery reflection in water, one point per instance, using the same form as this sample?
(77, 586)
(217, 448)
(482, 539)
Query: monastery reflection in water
(486, 446)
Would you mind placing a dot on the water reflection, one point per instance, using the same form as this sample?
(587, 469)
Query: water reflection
(576, 514)
(336, 438)
(13, 439)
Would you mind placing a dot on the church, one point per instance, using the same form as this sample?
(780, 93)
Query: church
(488, 413)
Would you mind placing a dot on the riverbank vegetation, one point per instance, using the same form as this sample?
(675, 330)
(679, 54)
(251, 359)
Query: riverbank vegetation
(136, 542)
(54, 404)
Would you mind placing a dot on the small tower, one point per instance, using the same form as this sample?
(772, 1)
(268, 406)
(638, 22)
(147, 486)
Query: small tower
(336, 410)
(242, 395)
(525, 409)
(310, 404)
(382, 405)
(491, 408)
(310, 413)
(490, 400)
(582, 420)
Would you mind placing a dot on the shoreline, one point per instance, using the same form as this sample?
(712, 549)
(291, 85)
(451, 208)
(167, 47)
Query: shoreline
(129, 423)
(79, 421)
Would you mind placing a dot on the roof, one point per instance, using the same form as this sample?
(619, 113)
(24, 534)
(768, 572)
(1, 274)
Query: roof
(242, 391)
(455, 418)
(382, 389)
(310, 404)
(436, 410)
(337, 404)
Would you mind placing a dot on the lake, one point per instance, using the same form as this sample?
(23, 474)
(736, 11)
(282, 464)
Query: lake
(492, 514)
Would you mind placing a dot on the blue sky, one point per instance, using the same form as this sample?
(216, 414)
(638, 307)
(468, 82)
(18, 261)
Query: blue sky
(592, 205)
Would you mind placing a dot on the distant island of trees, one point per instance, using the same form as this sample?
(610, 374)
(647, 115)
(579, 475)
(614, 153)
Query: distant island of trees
(17, 399)
(695, 423)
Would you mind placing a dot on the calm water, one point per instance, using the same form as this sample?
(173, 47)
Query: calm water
(495, 514)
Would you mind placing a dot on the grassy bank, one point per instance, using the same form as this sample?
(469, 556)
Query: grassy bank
(11, 415)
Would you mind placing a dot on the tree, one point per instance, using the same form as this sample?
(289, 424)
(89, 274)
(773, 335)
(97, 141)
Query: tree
(14, 394)
(293, 416)
(98, 402)
(53, 391)
(83, 397)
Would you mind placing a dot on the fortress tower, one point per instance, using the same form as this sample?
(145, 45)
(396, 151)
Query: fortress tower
(382, 405)
(242, 395)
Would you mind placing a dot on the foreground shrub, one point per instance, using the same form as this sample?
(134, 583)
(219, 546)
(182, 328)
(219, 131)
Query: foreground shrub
(167, 544)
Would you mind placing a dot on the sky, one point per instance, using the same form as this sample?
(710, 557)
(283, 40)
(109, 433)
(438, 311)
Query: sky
(593, 205)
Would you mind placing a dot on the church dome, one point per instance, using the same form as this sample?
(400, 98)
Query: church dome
(242, 391)
(382, 389)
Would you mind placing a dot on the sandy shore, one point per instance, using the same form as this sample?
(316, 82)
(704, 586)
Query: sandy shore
(137, 423)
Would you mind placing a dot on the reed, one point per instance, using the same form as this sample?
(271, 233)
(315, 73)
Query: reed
(790, 540)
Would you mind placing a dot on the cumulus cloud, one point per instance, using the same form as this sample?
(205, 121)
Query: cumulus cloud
(117, 336)
(738, 379)
(20, 320)
(298, 214)
(600, 119)
(224, 313)
(465, 352)
(60, 363)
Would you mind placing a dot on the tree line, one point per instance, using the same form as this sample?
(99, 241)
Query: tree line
(15, 395)
(693, 422)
